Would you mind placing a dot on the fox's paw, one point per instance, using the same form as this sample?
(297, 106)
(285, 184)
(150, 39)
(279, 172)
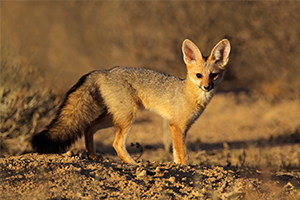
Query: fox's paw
(96, 157)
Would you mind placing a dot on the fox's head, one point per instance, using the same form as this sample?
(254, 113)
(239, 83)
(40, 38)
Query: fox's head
(206, 72)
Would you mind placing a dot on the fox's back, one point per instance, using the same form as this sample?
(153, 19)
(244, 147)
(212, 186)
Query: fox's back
(151, 89)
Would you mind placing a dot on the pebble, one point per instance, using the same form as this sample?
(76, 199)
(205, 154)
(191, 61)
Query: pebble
(172, 179)
(143, 173)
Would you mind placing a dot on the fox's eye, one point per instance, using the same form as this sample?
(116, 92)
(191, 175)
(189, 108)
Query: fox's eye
(213, 75)
(199, 75)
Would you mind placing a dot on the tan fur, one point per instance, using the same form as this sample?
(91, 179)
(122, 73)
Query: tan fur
(116, 95)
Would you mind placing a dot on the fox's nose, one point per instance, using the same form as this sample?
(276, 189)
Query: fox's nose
(207, 87)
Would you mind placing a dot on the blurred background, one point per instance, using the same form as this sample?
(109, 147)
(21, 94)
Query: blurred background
(47, 45)
(68, 39)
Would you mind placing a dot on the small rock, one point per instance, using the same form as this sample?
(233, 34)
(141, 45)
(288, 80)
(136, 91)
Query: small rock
(69, 154)
(143, 173)
(158, 173)
(172, 179)
(289, 186)
(157, 169)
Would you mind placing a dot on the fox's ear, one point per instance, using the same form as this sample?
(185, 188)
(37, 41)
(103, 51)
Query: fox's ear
(190, 52)
(221, 52)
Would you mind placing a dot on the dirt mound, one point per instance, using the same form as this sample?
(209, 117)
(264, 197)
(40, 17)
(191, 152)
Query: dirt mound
(68, 176)
(256, 156)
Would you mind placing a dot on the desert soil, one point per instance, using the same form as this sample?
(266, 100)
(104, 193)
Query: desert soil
(240, 148)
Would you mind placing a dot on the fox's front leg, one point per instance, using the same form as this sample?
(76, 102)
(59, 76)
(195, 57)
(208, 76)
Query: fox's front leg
(179, 147)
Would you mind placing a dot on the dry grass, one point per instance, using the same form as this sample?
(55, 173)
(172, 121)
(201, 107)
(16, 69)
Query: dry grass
(26, 105)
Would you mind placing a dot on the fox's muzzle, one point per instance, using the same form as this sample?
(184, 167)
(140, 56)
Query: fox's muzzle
(207, 88)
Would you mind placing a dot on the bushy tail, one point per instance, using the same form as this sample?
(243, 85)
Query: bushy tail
(44, 143)
(82, 105)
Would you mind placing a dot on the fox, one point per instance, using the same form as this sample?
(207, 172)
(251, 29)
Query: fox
(111, 98)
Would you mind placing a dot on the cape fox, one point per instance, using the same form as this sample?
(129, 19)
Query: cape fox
(106, 98)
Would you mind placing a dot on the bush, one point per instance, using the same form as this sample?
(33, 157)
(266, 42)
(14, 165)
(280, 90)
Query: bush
(25, 105)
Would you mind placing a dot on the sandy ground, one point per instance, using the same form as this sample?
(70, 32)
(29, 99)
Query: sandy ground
(240, 148)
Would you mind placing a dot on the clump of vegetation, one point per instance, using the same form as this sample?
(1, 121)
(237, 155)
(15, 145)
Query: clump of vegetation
(25, 103)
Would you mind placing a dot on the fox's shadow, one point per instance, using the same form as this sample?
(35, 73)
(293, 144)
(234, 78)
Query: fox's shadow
(288, 138)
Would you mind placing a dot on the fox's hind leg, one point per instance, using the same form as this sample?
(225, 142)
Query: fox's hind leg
(104, 121)
(123, 126)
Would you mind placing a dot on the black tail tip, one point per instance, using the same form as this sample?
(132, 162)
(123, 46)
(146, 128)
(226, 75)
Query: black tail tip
(42, 143)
